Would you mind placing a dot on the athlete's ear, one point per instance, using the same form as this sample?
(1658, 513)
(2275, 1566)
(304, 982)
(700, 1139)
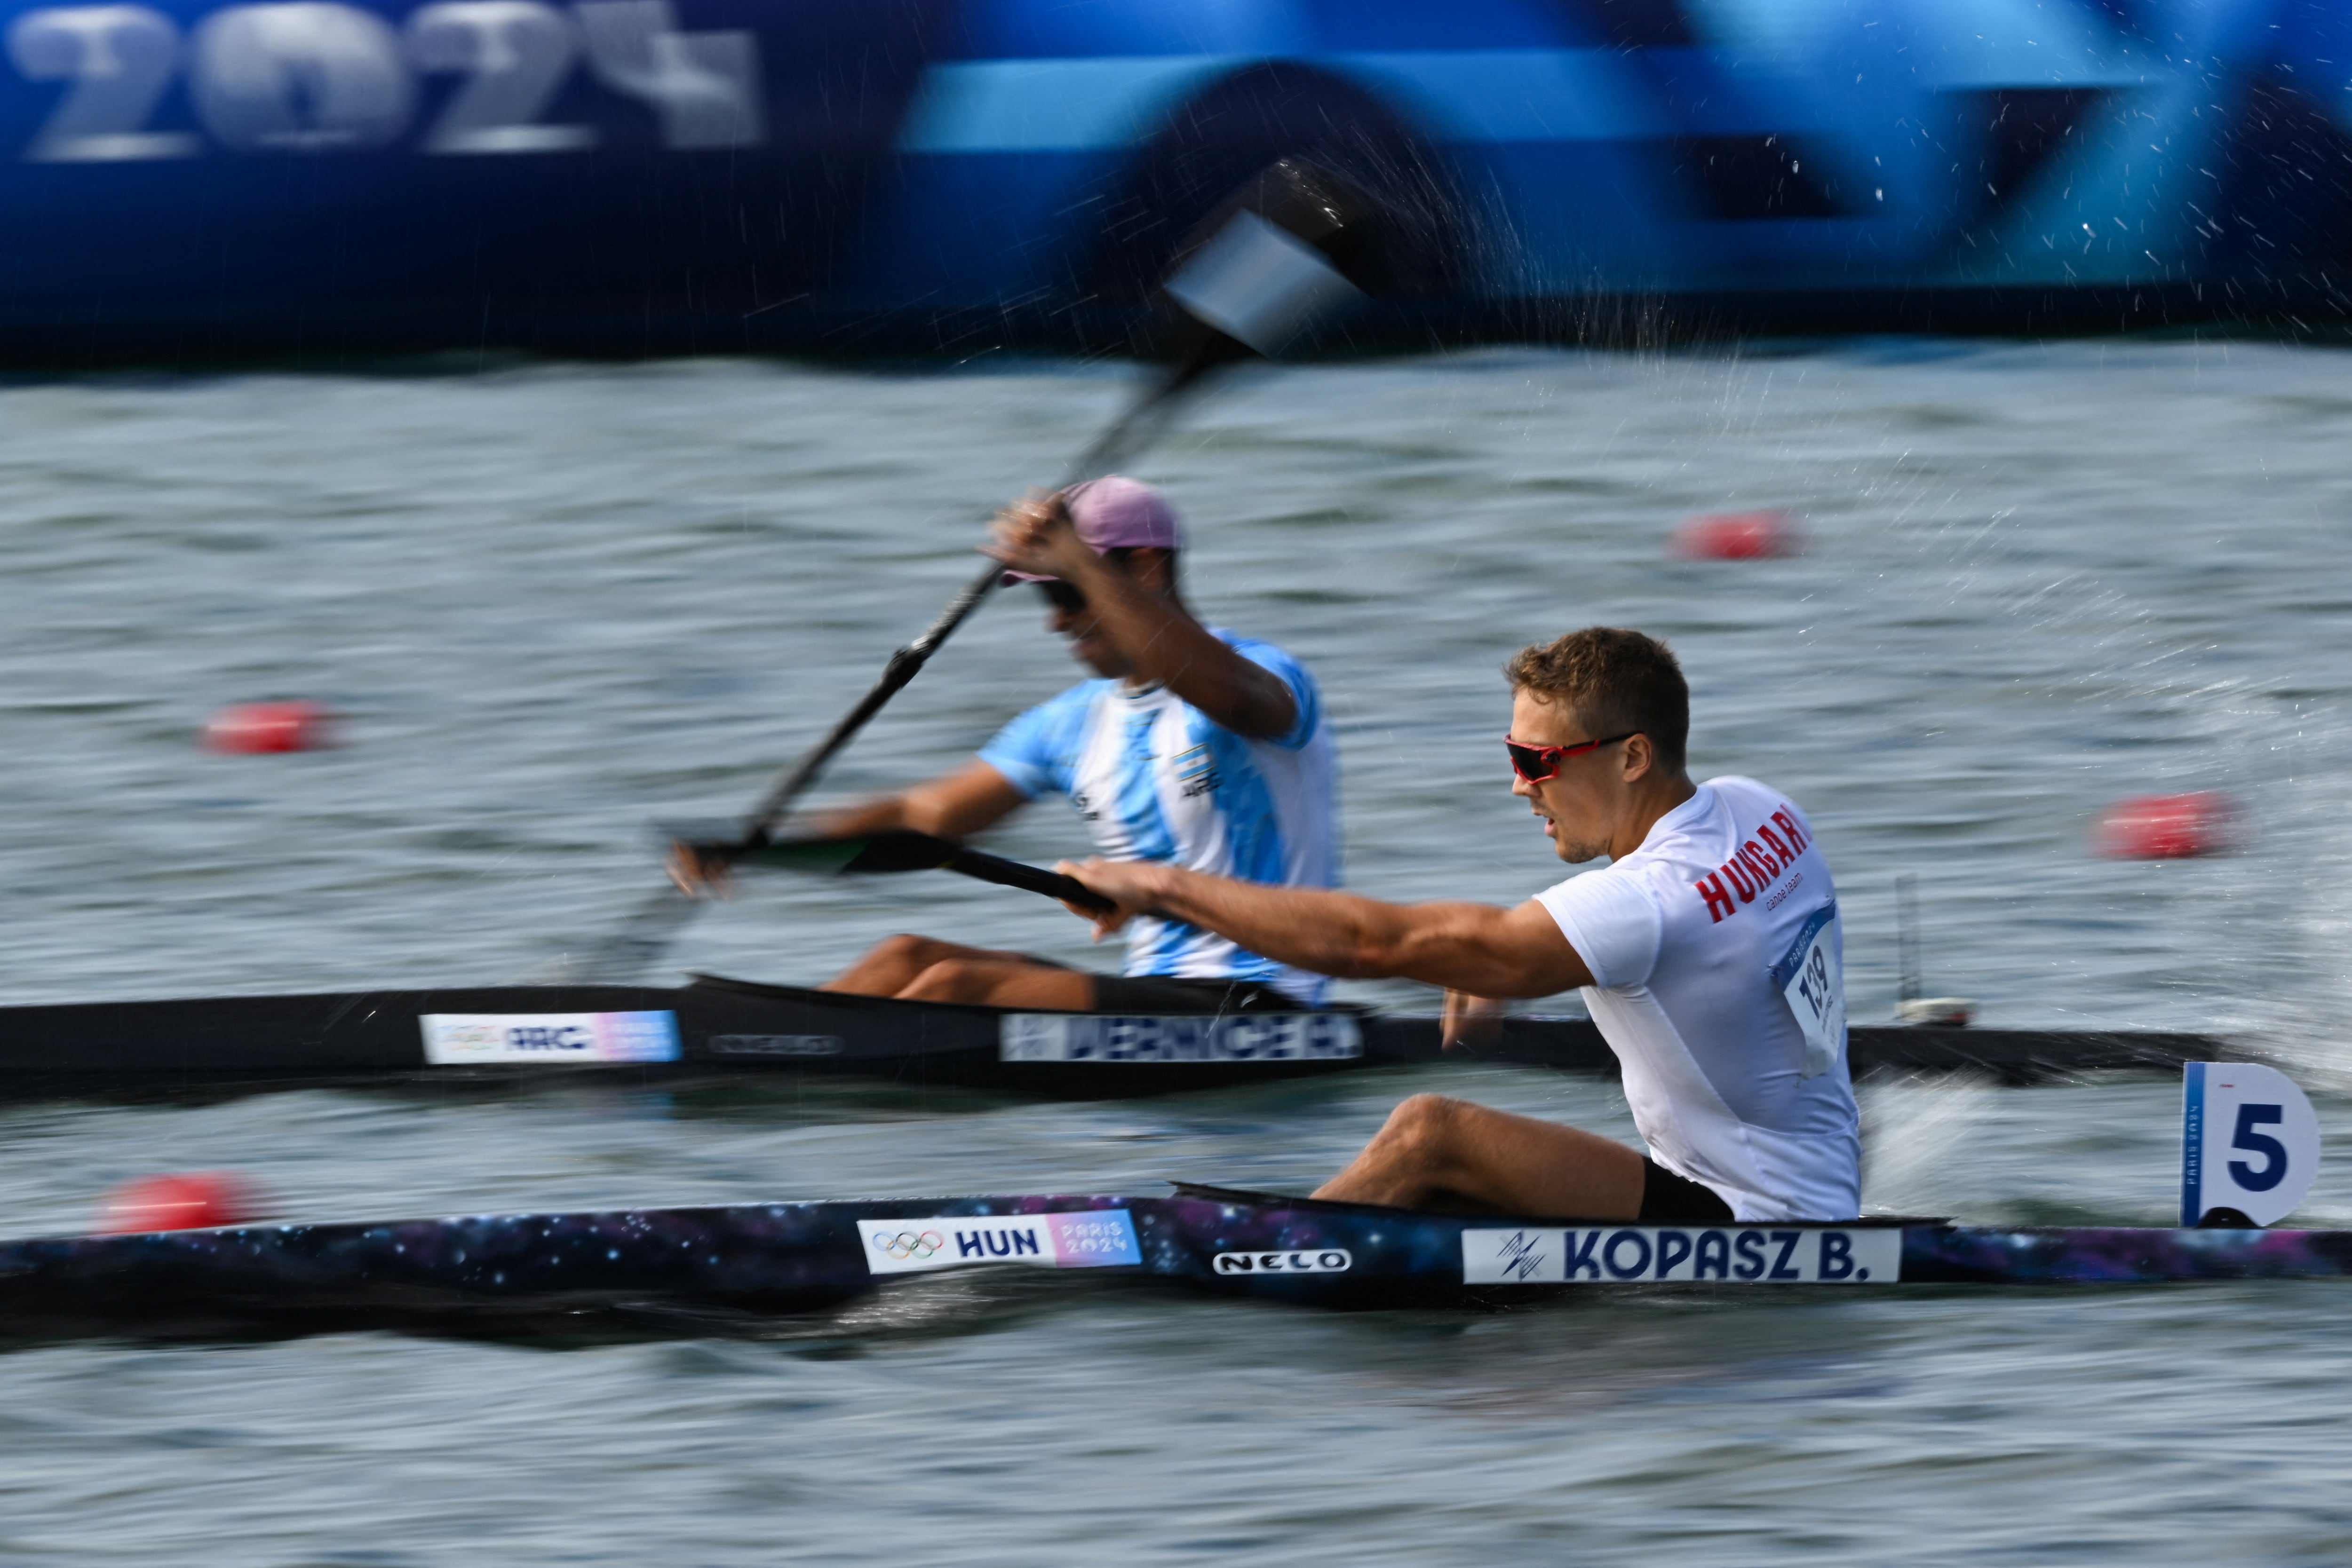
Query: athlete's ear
(1640, 757)
(1153, 567)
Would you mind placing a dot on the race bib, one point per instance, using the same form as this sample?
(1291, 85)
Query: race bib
(1813, 978)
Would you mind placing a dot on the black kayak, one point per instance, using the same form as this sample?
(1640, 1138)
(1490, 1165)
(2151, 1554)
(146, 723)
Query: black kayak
(759, 1267)
(716, 1027)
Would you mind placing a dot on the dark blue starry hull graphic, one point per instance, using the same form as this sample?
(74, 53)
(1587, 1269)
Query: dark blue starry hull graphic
(670, 1271)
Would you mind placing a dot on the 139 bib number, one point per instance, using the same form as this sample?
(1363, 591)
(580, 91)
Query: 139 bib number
(1811, 975)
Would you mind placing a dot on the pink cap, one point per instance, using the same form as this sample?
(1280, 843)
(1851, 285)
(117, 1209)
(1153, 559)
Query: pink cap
(1118, 513)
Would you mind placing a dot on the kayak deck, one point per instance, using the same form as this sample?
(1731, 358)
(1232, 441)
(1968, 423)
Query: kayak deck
(715, 1026)
(591, 1271)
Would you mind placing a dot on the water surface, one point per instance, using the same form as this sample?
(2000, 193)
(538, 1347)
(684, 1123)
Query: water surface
(557, 603)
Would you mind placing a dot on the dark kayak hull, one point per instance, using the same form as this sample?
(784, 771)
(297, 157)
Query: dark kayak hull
(697, 1271)
(736, 1029)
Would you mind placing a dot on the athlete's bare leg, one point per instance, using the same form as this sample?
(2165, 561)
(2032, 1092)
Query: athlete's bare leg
(891, 964)
(920, 970)
(1025, 984)
(1438, 1150)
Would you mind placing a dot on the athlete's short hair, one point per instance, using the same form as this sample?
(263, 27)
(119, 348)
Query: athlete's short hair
(1616, 681)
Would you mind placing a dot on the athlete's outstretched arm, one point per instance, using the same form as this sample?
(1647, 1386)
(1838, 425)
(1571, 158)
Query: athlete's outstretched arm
(1472, 948)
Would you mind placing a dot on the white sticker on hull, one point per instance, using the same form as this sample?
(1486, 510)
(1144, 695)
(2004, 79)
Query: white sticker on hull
(1092, 1239)
(541, 1039)
(1094, 1037)
(1733, 1254)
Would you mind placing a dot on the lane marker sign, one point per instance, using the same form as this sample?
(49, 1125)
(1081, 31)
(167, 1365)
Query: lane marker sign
(2248, 1142)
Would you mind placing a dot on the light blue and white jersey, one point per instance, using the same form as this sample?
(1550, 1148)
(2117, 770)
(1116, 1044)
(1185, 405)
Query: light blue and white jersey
(1158, 779)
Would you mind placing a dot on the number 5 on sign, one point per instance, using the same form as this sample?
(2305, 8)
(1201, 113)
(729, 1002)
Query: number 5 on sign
(2249, 1140)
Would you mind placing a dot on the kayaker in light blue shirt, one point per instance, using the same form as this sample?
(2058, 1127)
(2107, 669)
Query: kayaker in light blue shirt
(1194, 747)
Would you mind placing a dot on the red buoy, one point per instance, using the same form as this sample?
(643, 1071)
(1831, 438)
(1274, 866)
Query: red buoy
(1736, 535)
(190, 1200)
(2167, 827)
(249, 729)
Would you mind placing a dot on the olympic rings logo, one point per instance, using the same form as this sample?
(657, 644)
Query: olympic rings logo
(907, 1246)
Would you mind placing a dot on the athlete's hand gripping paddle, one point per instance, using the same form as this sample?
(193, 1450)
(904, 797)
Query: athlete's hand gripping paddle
(1277, 260)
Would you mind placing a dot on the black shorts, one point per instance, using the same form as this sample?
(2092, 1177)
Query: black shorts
(1670, 1200)
(1146, 994)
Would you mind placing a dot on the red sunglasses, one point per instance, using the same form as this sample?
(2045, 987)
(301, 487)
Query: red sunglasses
(1536, 763)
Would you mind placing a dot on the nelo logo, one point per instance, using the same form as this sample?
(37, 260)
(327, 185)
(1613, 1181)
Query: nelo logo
(777, 1045)
(1313, 1260)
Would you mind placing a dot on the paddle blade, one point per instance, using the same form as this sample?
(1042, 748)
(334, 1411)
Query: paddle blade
(631, 949)
(1258, 283)
(871, 853)
(1275, 258)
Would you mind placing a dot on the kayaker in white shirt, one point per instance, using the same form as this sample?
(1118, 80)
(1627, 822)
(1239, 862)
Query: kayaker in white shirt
(1708, 952)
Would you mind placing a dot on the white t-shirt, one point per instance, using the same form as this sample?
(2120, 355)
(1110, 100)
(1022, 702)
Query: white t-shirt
(1682, 937)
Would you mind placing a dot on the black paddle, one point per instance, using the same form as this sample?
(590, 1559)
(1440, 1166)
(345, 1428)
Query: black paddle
(899, 850)
(1272, 262)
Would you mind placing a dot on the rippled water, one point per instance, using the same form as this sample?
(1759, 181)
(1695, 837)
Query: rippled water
(559, 603)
